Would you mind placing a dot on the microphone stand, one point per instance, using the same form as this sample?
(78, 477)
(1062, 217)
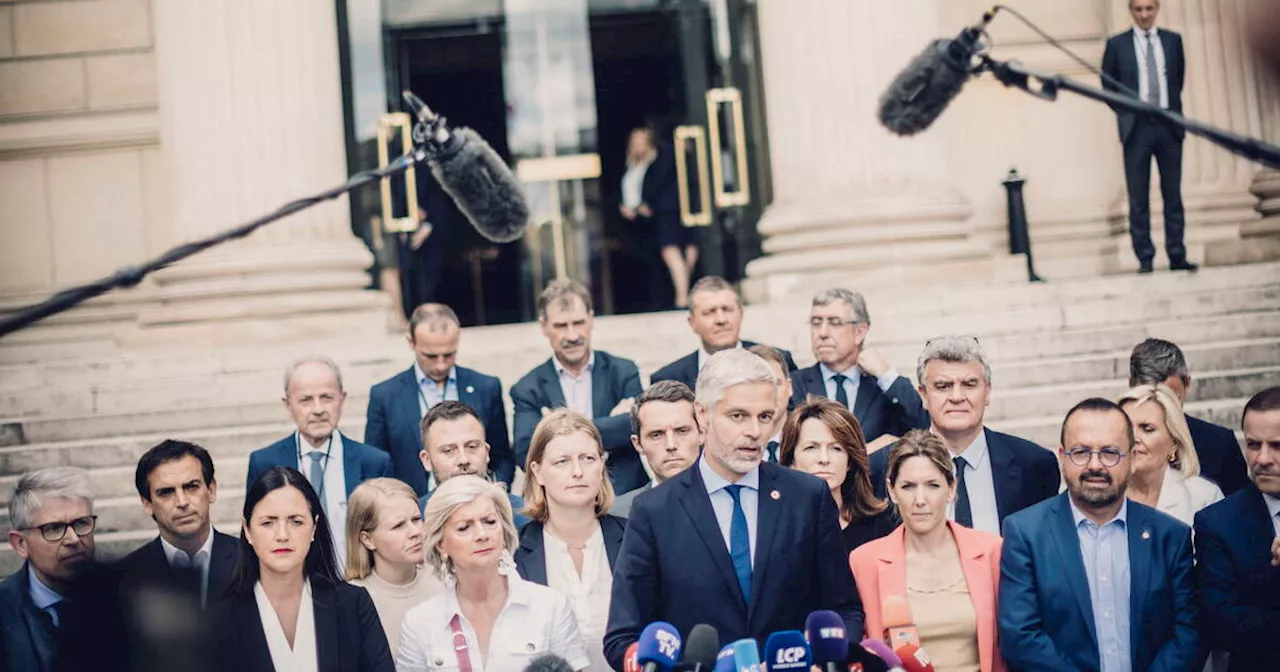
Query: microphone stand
(425, 133)
(1046, 86)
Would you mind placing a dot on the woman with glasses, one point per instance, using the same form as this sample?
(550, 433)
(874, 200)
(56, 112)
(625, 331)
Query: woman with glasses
(287, 607)
(572, 542)
(821, 437)
(1166, 471)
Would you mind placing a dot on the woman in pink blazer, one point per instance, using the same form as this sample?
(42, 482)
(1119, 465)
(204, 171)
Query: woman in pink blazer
(948, 574)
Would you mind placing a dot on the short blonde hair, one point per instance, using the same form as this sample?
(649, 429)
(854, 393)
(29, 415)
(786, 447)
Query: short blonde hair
(362, 516)
(452, 495)
(560, 422)
(1185, 459)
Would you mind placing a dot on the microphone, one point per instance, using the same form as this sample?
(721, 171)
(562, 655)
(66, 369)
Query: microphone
(724, 660)
(658, 648)
(862, 660)
(746, 656)
(629, 661)
(548, 662)
(919, 94)
(914, 659)
(471, 173)
(879, 648)
(827, 639)
(899, 624)
(787, 650)
(701, 650)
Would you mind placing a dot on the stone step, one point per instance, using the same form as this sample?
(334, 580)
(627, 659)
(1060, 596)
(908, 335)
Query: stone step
(1044, 430)
(117, 481)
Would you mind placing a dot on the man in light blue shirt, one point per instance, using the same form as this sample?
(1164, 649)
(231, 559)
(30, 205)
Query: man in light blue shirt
(1105, 551)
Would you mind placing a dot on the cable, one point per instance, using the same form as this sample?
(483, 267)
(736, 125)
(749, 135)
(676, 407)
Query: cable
(1083, 63)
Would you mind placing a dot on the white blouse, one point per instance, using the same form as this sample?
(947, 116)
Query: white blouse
(588, 594)
(1183, 496)
(303, 657)
(633, 184)
(535, 620)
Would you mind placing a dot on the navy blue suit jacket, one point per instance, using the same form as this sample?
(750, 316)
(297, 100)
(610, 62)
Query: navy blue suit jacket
(674, 564)
(1239, 589)
(359, 462)
(149, 564)
(878, 413)
(612, 380)
(685, 369)
(1045, 612)
(1220, 458)
(531, 556)
(1023, 473)
(1120, 62)
(394, 417)
(27, 637)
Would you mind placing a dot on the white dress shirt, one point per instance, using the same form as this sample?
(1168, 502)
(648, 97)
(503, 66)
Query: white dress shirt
(303, 656)
(334, 489)
(1273, 507)
(722, 502)
(633, 184)
(1183, 496)
(703, 355)
(588, 594)
(853, 378)
(577, 389)
(980, 483)
(199, 560)
(535, 620)
(1140, 49)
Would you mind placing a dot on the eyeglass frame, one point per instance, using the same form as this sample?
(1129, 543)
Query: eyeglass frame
(833, 322)
(1089, 453)
(44, 534)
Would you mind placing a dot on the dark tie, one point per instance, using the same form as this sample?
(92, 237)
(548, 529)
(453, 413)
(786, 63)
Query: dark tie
(773, 451)
(740, 543)
(841, 395)
(964, 515)
(1153, 73)
(317, 478)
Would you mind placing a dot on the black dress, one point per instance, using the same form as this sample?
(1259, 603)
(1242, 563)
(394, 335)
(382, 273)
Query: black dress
(861, 531)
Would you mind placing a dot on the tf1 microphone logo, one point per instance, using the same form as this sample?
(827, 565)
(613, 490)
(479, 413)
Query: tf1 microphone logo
(831, 633)
(791, 658)
(668, 643)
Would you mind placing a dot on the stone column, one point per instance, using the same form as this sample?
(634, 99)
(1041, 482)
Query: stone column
(851, 202)
(251, 118)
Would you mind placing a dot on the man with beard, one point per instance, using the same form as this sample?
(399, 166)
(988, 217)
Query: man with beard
(453, 445)
(1090, 580)
(747, 547)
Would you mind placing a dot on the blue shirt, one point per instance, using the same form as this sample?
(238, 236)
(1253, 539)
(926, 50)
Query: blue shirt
(1105, 551)
(430, 394)
(722, 501)
(43, 596)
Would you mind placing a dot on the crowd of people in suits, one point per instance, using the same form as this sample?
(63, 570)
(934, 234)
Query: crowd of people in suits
(735, 491)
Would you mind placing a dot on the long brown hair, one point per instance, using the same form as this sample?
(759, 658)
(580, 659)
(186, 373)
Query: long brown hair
(857, 498)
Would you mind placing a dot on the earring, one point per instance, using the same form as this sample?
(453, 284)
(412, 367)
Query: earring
(506, 564)
(450, 579)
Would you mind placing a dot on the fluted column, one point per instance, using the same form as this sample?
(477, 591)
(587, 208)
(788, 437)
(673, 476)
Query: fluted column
(251, 118)
(850, 199)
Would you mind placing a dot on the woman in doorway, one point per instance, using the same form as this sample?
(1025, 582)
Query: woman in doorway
(649, 197)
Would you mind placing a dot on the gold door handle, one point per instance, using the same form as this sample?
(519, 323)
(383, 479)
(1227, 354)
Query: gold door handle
(684, 134)
(389, 123)
(732, 98)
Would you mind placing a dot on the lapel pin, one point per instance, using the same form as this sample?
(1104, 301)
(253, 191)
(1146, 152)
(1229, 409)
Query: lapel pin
(1146, 534)
(775, 495)
(470, 389)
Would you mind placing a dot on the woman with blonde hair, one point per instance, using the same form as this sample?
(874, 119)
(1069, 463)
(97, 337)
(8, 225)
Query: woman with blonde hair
(1166, 470)
(385, 553)
(488, 618)
(572, 541)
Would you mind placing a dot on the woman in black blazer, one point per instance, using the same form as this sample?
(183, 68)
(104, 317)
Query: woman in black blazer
(571, 542)
(287, 607)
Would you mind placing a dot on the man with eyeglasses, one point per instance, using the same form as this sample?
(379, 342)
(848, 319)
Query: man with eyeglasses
(1090, 580)
(858, 377)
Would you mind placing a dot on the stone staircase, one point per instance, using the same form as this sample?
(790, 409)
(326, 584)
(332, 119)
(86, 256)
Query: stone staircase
(100, 406)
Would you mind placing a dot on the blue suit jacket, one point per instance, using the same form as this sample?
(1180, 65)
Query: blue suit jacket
(674, 564)
(27, 638)
(612, 380)
(878, 413)
(1046, 615)
(685, 369)
(1220, 458)
(531, 556)
(359, 462)
(1023, 473)
(1239, 589)
(394, 418)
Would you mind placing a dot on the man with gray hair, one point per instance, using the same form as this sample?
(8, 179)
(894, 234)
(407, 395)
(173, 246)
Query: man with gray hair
(997, 474)
(747, 547)
(333, 463)
(853, 374)
(1159, 361)
(52, 523)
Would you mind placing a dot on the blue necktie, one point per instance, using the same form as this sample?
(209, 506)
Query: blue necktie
(740, 543)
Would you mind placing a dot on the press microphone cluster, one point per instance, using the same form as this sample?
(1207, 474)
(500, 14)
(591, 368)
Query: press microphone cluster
(658, 648)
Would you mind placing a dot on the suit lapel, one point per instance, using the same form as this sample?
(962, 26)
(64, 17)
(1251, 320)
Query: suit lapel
(467, 389)
(550, 385)
(812, 382)
(601, 393)
(1067, 544)
(697, 505)
(1006, 475)
(688, 370)
(221, 565)
(324, 598)
(1255, 525)
(535, 555)
(406, 411)
(767, 511)
(891, 567)
(351, 472)
(867, 390)
(976, 565)
(612, 528)
(1138, 530)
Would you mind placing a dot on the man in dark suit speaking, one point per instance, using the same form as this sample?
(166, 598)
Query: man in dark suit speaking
(1150, 63)
(746, 547)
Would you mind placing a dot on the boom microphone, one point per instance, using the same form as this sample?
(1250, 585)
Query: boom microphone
(919, 94)
(786, 651)
(827, 639)
(659, 647)
(473, 175)
(899, 624)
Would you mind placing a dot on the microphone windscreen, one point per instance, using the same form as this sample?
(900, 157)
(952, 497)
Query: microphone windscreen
(724, 660)
(914, 659)
(746, 655)
(827, 638)
(630, 662)
(659, 644)
(919, 94)
(896, 612)
(702, 646)
(548, 662)
(482, 186)
(865, 660)
(882, 650)
(787, 650)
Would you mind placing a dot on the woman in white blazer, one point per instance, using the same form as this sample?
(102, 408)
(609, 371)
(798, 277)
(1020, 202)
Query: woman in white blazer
(1166, 471)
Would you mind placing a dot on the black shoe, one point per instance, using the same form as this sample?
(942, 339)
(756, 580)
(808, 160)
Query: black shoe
(1144, 267)
(1183, 265)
